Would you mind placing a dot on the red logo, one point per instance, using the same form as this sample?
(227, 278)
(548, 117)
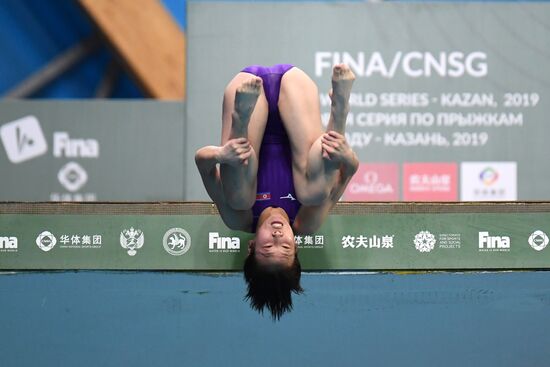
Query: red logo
(374, 182)
(430, 182)
(262, 196)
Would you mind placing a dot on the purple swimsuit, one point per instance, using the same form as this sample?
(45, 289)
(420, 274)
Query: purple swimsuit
(275, 183)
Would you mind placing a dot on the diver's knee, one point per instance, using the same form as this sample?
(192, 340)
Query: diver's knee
(313, 197)
(240, 202)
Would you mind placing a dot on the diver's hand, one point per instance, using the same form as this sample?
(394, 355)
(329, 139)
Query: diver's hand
(235, 152)
(336, 148)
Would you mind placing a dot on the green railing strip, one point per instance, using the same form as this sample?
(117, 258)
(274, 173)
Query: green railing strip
(356, 236)
(206, 208)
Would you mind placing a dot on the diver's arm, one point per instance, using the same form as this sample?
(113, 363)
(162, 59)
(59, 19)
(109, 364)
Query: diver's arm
(207, 159)
(310, 218)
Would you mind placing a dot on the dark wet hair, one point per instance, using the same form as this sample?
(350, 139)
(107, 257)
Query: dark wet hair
(271, 286)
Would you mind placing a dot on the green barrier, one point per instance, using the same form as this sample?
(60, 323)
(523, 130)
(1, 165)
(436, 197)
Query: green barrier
(356, 236)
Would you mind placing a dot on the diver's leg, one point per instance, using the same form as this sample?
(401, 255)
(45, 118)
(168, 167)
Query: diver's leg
(244, 116)
(314, 176)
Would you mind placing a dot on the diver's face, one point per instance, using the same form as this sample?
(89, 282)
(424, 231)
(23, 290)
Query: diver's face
(274, 239)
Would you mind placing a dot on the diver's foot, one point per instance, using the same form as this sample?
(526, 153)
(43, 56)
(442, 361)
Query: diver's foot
(245, 100)
(342, 81)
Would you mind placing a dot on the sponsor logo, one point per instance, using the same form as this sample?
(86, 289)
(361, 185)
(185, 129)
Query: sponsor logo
(374, 182)
(23, 139)
(538, 240)
(80, 241)
(176, 241)
(89, 196)
(8, 244)
(488, 181)
(289, 196)
(424, 241)
(309, 241)
(430, 181)
(261, 196)
(46, 241)
(488, 243)
(368, 241)
(132, 240)
(223, 244)
(449, 241)
(64, 146)
(72, 176)
(488, 176)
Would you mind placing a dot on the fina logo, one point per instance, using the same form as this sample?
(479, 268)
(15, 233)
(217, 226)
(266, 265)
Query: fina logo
(63, 145)
(223, 244)
(8, 244)
(493, 243)
(413, 64)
